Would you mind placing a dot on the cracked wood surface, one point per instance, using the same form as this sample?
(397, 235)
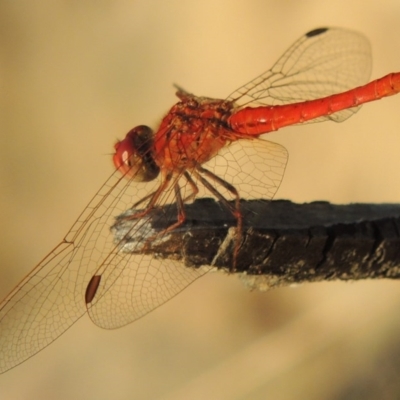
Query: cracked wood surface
(282, 242)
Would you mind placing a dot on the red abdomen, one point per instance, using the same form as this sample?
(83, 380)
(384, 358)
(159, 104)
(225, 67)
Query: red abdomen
(255, 121)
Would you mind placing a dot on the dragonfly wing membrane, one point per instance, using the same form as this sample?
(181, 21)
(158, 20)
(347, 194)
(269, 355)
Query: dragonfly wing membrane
(127, 293)
(40, 308)
(255, 167)
(132, 283)
(51, 297)
(315, 66)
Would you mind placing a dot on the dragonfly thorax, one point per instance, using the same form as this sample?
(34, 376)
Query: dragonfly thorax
(193, 132)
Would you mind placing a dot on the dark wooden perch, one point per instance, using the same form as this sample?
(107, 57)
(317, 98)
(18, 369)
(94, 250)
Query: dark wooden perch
(283, 242)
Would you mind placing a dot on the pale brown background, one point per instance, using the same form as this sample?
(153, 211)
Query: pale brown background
(77, 75)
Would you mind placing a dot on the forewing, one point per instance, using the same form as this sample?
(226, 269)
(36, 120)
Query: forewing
(320, 63)
(133, 284)
(52, 297)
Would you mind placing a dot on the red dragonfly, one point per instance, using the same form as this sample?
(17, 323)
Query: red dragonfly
(203, 147)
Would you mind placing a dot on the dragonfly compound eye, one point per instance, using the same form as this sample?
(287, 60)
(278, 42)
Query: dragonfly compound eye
(133, 156)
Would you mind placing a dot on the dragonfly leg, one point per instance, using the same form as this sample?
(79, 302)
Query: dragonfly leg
(234, 210)
(154, 196)
(193, 186)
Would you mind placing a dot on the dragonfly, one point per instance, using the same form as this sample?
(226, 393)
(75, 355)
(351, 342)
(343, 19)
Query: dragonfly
(203, 147)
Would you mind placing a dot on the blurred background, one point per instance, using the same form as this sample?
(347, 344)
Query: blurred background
(77, 75)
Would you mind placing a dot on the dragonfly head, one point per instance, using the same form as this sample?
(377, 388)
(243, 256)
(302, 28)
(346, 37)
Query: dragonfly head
(133, 155)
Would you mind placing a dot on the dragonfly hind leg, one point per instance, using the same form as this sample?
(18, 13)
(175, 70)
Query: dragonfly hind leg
(235, 210)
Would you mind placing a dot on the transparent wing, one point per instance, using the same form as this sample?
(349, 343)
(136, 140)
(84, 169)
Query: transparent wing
(322, 62)
(52, 297)
(254, 167)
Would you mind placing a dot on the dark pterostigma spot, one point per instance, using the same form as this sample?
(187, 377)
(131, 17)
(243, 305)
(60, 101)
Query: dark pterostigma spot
(316, 32)
(91, 289)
